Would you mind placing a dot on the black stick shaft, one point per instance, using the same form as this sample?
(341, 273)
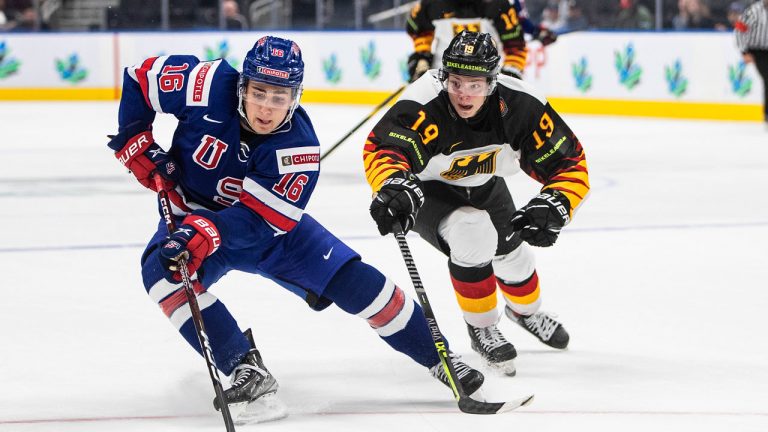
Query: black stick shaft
(421, 293)
(362, 122)
(197, 316)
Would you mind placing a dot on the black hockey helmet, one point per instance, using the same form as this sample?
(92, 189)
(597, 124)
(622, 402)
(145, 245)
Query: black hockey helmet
(471, 54)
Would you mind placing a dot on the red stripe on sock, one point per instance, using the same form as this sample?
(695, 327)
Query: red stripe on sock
(475, 290)
(173, 302)
(393, 307)
(521, 289)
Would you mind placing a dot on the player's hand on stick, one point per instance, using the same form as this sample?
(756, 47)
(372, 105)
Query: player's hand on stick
(399, 199)
(541, 220)
(196, 239)
(135, 148)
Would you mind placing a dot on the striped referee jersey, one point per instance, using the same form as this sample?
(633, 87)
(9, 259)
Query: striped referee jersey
(752, 28)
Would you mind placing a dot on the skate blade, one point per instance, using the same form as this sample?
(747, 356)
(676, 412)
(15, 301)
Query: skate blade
(507, 367)
(264, 409)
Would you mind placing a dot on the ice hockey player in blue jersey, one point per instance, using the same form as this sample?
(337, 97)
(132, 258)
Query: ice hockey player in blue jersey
(241, 168)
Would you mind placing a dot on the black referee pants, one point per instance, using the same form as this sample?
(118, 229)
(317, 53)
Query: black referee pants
(761, 62)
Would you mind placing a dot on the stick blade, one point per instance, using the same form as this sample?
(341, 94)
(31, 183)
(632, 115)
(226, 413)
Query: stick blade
(264, 409)
(471, 406)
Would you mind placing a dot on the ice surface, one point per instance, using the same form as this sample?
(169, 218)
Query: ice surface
(660, 280)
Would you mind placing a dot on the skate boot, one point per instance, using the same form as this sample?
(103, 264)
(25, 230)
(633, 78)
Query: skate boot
(470, 379)
(493, 348)
(251, 397)
(543, 326)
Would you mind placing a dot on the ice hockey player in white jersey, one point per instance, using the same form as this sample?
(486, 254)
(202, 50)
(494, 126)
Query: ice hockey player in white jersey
(432, 24)
(436, 162)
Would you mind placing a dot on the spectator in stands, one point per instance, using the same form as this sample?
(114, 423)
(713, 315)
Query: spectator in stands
(552, 17)
(692, 14)
(632, 15)
(25, 20)
(575, 19)
(735, 9)
(3, 17)
(234, 19)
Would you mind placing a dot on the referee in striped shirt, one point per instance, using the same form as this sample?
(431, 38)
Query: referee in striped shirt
(752, 39)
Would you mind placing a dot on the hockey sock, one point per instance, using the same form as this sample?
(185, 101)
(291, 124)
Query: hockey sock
(522, 297)
(359, 289)
(228, 343)
(475, 289)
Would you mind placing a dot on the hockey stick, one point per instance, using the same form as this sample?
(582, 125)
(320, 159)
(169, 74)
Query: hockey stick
(362, 122)
(466, 404)
(197, 316)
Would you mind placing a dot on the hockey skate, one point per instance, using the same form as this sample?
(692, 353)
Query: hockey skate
(493, 348)
(252, 397)
(543, 326)
(470, 379)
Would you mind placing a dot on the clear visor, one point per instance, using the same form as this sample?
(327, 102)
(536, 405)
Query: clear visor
(270, 96)
(467, 86)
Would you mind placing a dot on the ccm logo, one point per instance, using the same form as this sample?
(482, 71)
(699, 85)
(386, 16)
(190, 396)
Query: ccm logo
(136, 146)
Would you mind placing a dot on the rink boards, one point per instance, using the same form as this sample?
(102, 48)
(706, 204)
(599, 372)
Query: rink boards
(680, 75)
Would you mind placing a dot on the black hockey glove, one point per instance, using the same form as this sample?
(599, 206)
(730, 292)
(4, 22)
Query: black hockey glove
(418, 64)
(545, 36)
(541, 220)
(399, 199)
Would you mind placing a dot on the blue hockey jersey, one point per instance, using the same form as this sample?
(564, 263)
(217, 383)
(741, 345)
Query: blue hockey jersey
(253, 187)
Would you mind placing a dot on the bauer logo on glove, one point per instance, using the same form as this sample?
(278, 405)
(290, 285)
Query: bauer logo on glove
(541, 220)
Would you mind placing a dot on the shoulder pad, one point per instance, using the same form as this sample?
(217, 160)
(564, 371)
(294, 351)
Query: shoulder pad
(518, 85)
(423, 89)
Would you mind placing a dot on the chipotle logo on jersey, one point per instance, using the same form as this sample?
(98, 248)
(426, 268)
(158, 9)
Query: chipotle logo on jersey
(199, 84)
(298, 159)
(307, 158)
(469, 165)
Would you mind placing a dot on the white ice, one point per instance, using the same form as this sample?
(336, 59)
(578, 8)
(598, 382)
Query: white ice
(661, 281)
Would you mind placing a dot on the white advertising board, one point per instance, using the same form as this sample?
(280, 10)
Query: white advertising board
(65, 60)
(676, 69)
